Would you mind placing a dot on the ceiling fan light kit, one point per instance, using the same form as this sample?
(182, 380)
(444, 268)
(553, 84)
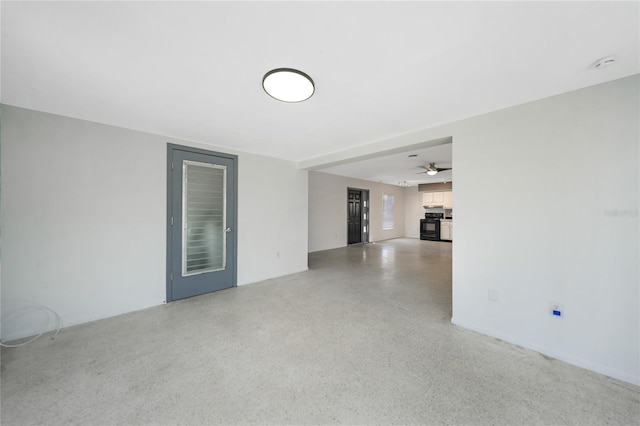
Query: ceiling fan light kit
(432, 170)
(605, 62)
(288, 85)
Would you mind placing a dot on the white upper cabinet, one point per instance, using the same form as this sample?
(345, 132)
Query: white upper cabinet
(432, 199)
(439, 199)
(448, 199)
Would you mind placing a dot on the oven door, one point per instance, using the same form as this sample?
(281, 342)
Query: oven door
(430, 229)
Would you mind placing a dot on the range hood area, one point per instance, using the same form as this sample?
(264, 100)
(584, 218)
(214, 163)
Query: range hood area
(437, 195)
(438, 199)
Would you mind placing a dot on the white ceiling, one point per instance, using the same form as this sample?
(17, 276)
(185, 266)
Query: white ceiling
(399, 167)
(193, 70)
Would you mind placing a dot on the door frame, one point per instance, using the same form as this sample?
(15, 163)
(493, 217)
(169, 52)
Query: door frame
(364, 196)
(233, 257)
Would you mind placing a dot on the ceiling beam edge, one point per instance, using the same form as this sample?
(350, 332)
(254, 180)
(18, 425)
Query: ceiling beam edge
(404, 143)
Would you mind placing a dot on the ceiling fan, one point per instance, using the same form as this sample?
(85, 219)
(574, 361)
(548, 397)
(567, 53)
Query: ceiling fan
(432, 169)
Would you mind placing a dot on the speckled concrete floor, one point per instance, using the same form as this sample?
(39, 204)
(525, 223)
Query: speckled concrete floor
(362, 338)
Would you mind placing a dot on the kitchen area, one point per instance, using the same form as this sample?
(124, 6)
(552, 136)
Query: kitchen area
(437, 202)
(423, 207)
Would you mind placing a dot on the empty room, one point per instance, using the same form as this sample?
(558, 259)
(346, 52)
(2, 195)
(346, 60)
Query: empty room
(243, 212)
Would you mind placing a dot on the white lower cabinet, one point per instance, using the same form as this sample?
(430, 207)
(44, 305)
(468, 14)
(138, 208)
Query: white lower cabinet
(446, 230)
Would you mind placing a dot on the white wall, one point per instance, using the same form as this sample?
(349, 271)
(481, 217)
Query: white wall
(84, 213)
(328, 210)
(554, 219)
(273, 216)
(413, 212)
(535, 227)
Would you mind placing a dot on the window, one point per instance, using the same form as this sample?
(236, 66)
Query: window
(388, 211)
(203, 217)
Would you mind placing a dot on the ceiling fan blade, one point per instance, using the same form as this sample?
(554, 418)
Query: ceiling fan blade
(442, 170)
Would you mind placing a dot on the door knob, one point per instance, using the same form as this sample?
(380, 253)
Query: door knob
(228, 230)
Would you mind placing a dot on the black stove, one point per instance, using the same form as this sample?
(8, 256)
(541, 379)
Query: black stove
(430, 226)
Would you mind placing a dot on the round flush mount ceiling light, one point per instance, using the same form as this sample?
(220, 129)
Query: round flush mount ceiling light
(288, 85)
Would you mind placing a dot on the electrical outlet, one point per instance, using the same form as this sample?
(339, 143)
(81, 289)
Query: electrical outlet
(556, 309)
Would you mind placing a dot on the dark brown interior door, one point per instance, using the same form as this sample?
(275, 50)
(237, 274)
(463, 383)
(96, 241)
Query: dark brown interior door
(353, 216)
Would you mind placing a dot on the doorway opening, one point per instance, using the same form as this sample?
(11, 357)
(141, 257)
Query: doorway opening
(357, 215)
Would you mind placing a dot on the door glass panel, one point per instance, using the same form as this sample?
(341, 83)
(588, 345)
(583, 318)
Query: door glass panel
(203, 217)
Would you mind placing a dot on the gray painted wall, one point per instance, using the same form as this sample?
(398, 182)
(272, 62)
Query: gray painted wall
(83, 210)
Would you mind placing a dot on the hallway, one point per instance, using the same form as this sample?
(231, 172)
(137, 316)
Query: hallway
(363, 337)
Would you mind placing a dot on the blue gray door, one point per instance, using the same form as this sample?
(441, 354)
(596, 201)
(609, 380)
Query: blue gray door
(201, 230)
